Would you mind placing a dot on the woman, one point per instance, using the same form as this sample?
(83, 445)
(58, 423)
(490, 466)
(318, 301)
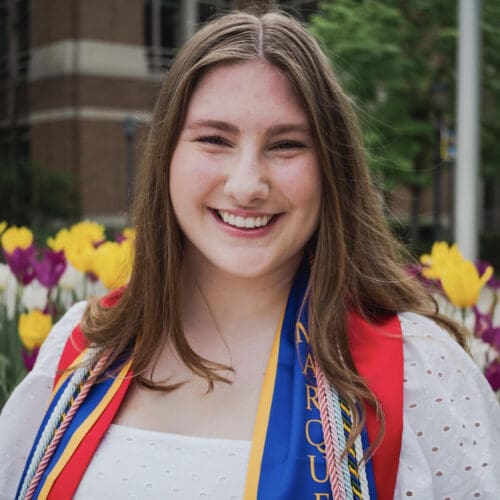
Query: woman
(257, 350)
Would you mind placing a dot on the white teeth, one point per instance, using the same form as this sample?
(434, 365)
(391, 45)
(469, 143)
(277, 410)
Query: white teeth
(244, 222)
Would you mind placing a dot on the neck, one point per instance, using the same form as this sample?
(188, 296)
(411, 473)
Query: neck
(232, 306)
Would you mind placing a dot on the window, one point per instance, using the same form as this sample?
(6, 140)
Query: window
(162, 31)
(21, 37)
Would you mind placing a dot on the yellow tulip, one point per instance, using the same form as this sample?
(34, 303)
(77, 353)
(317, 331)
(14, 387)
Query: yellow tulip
(113, 263)
(462, 283)
(77, 242)
(16, 237)
(3, 226)
(61, 240)
(129, 233)
(33, 328)
(441, 257)
(88, 230)
(81, 255)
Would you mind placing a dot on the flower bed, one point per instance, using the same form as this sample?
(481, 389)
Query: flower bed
(38, 284)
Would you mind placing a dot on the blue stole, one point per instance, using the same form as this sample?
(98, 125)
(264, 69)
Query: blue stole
(287, 458)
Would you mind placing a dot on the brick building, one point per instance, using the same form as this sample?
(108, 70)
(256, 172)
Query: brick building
(87, 73)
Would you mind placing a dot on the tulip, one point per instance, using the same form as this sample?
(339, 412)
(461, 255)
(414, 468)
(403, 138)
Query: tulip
(16, 237)
(492, 374)
(88, 230)
(462, 283)
(482, 323)
(79, 244)
(29, 358)
(492, 336)
(60, 241)
(5, 275)
(441, 257)
(113, 263)
(3, 226)
(34, 328)
(20, 262)
(18, 250)
(71, 278)
(34, 296)
(50, 269)
(493, 282)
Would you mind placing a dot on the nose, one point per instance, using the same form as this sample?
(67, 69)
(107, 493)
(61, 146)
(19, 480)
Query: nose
(247, 180)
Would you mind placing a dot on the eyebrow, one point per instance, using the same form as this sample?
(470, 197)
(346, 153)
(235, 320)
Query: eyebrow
(230, 128)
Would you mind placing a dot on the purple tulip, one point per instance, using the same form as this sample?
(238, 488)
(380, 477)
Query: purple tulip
(484, 329)
(482, 323)
(20, 262)
(493, 282)
(29, 357)
(50, 268)
(492, 336)
(492, 374)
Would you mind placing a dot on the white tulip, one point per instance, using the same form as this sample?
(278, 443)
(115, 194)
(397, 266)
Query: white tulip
(5, 276)
(8, 289)
(34, 296)
(71, 278)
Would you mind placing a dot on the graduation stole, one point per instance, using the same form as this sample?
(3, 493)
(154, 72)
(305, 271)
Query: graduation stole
(301, 426)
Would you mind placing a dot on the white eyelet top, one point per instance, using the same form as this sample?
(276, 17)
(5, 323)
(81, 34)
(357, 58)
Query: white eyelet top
(450, 443)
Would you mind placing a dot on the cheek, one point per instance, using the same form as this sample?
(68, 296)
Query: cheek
(192, 177)
(302, 186)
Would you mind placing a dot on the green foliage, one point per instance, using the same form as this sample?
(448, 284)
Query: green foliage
(490, 132)
(397, 60)
(12, 369)
(390, 56)
(33, 195)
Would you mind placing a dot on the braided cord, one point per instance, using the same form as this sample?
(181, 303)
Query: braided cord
(351, 455)
(338, 422)
(363, 479)
(51, 426)
(333, 452)
(79, 386)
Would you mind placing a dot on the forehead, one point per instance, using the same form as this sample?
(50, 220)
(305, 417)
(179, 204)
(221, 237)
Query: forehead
(254, 90)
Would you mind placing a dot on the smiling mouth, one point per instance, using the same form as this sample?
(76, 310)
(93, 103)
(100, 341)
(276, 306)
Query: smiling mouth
(244, 222)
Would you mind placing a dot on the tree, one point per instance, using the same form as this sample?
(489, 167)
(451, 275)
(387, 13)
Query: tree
(397, 60)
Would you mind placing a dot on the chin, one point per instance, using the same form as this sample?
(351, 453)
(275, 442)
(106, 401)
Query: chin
(253, 268)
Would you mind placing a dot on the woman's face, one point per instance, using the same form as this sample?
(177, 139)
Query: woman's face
(244, 177)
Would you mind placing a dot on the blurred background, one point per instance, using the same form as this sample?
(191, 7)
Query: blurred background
(78, 81)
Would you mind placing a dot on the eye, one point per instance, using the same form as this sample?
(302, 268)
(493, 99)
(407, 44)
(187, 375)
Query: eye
(284, 145)
(217, 140)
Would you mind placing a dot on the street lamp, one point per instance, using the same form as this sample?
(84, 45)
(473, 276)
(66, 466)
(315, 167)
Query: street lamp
(129, 130)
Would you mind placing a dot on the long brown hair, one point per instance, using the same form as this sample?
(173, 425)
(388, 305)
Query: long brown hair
(357, 264)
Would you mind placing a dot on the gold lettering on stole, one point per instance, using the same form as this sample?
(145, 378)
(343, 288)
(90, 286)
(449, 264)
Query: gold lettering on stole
(300, 329)
(311, 403)
(312, 396)
(319, 446)
(309, 364)
(312, 469)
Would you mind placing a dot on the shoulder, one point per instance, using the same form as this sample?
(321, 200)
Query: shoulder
(25, 408)
(451, 418)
